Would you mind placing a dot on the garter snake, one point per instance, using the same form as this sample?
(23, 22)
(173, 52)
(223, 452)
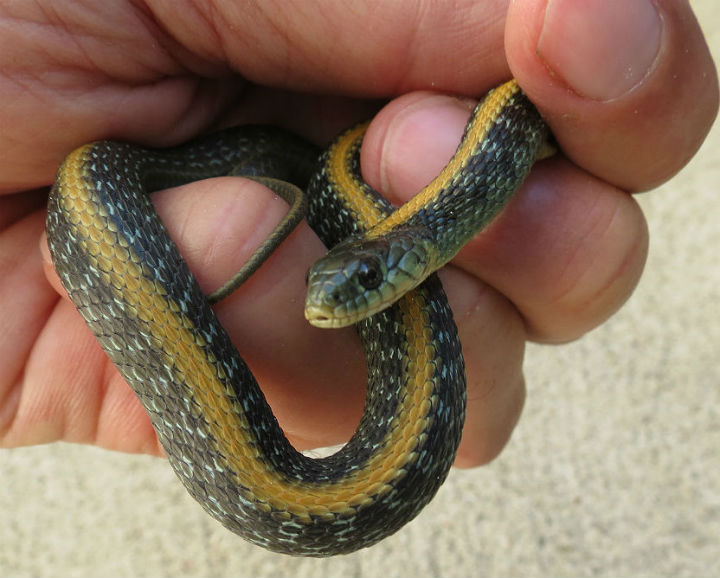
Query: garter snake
(131, 285)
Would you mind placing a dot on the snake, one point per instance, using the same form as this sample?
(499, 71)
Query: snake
(133, 288)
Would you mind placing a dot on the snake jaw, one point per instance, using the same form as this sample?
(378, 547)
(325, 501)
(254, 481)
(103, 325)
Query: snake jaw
(359, 278)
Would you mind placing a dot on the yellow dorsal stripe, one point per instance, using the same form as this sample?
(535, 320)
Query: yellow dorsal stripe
(483, 120)
(172, 332)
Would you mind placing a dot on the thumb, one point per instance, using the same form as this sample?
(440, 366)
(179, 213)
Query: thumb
(628, 86)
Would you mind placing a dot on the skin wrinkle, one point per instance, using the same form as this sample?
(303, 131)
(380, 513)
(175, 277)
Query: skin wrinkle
(483, 20)
(486, 301)
(224, 226)
(9, 405)
(495, 374)
(192, 60)
(220, 52)
(600, 228)
(576, 255)
(72, 427)
(187, 62)
(39, 409)
(25, 271)
(109, 400)
(103, 403)
(207, 101)
(306, 49)
(637, 253)
(34, 412)
(280, 30)
(96, 46)
(218, 45)
(414, 41)
(222, 234)
(420, 47)
(217, 19)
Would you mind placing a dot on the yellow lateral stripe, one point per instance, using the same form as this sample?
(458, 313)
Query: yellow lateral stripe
(346, 184)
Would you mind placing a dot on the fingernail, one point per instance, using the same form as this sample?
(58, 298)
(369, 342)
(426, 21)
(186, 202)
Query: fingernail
(431, 127)
(601, 49)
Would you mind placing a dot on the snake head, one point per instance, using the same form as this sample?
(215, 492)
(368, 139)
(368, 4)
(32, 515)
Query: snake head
(360, 277)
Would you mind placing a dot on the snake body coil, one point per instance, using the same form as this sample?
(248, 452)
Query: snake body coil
(134, 290)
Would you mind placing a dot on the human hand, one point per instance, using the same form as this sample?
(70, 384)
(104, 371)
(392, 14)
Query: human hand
(559, 261)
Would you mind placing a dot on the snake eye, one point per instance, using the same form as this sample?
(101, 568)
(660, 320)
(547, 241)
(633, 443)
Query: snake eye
(369, 273)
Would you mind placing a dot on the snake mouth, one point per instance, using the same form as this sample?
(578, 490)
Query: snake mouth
(320, 317)
(327, 318)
